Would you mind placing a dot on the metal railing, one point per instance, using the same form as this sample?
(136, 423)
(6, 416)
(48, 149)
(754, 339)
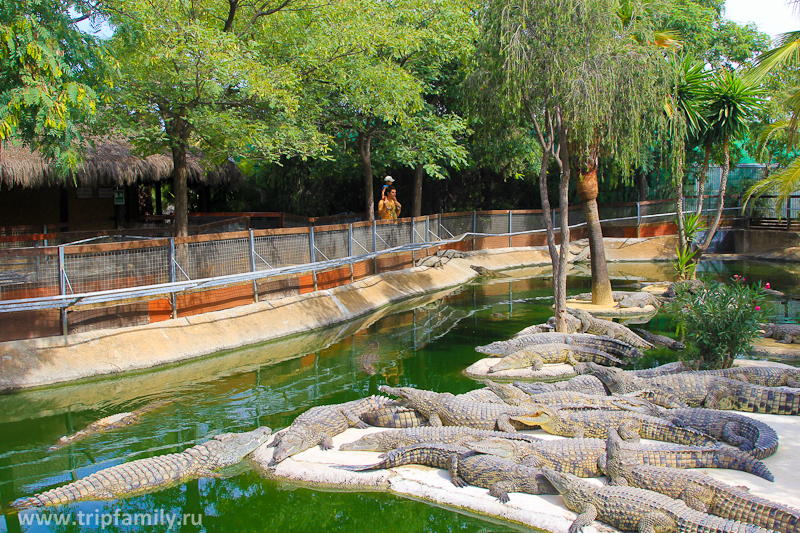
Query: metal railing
(70, 277)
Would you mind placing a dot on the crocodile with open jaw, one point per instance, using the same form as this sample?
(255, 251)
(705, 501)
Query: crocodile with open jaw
(320, 424)
(632, 509)
(603, 343)
(154, 473)
(699, 389)
(597, 424)
(383, 441)
(699, 491)
(535, 356)
(499, 475)
(108, 423)
(600, 326)
(586, 457)
(446, 410)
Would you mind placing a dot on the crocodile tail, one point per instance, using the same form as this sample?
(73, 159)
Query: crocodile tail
(361, 468)
(736, 460)
(676, 434)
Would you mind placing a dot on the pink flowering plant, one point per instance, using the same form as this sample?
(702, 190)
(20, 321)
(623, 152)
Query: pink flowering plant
(720, 320)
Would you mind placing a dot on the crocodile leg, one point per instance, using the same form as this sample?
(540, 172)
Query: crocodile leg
(732, 434)
(452, 468)
(538, 362)
(585, 518)
(501, 489)
(697, 497)
(504, 424)
(629, 430)
(657, 522)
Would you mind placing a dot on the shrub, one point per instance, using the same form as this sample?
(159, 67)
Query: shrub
(719, 320)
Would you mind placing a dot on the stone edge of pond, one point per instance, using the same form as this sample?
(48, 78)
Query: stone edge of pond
(429, 485)
(51, 360)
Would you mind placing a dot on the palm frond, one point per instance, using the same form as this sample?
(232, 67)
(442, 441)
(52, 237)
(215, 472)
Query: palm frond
(782, 184)
(787, 52)
(769, 133)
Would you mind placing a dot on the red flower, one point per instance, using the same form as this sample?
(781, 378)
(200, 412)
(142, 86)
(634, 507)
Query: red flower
(766, 286)
(758, 308)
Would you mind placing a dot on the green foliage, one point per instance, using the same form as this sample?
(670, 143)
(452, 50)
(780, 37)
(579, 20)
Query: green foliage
(693, 225)
(719, 320)
(684, 263)
(50, 73)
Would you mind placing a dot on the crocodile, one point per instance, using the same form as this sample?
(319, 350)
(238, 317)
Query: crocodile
(485, 272)
(319, 424)
(669, 368)
(660, 340)
(600, 326)
(609, 345)
(394, 417)
(699, 389)
(481, 395)
(499, 475)
(626, 298)
(154, 473)
(783, 333)
(533, 330)
(535, 356)
(108, 423)
(698, 490)
(749, 435)
(691, 285)
(446, 410)
(632, 509)
(367, 360)
(513, 395)
(587, 384)
(767, 376)
(586, 457)
(384, 441)
(598, 423)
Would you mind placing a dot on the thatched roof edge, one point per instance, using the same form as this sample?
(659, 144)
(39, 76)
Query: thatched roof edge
(109, 163)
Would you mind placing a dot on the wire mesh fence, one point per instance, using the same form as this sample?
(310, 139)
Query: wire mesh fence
(253, 265)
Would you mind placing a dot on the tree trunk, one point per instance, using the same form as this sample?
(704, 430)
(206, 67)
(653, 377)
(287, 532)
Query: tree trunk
(641, 180)
(587, 193)
(560, 279)
(723, 184)
(364, 142)
(181, 190)
(701, 180)
(679, 210)
(416, 208)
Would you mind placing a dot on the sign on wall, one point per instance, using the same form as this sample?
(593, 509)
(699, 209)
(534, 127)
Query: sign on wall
(84, 193)
(119, 197)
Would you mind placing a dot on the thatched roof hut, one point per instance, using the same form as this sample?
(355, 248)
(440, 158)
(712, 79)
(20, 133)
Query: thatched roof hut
(109, 163)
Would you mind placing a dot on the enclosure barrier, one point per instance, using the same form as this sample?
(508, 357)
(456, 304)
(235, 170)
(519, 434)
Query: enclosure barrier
(51, 290)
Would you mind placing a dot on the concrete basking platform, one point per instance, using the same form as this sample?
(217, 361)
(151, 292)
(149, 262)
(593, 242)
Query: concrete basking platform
(768, 348)
(605, 311)
(480, 371)
(314, 468)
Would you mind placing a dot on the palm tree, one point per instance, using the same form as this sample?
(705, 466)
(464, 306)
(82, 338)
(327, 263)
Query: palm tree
(732, 102)
(784, 182)
(684, 109)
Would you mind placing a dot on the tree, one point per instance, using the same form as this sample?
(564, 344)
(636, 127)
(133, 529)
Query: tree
(380, 95)
(590, 90)
(732, 101)
(219, 76)
(50, 72)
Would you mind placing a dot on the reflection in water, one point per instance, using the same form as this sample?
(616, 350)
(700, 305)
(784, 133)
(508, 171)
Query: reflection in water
(424, 343)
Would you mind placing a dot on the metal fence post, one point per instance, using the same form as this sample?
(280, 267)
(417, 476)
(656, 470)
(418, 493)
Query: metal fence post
(253, 265)
(413, 240)
(313, 254)
(638, 219)
(510, 229)
(375, 246)
(45, 232)
(350, 250)
(474, 228)
(427, 226)
(62, 287)
(173, 298)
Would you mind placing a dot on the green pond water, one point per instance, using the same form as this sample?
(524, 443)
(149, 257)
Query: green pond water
(424, 343)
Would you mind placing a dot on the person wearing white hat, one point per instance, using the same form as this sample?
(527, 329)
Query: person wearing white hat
(388, 180)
